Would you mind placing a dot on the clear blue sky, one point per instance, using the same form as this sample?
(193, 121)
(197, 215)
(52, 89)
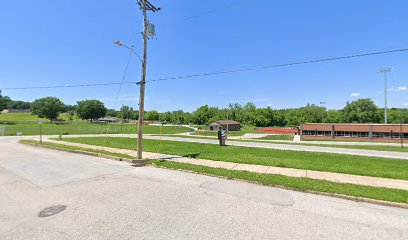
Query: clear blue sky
(48, 42)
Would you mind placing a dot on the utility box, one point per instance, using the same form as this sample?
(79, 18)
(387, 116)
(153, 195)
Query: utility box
(151, 30)
(222, 137)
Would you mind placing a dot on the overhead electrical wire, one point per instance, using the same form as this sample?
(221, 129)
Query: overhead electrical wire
(279, 65)
(221, 72)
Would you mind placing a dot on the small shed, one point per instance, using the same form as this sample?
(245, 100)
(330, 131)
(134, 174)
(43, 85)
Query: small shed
(224, 124)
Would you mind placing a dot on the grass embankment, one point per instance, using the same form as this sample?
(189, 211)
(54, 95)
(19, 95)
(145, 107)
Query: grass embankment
(365, 147)
(300, 184)
(27, 117)
(340, 163)
(87, 128)
(66, 147)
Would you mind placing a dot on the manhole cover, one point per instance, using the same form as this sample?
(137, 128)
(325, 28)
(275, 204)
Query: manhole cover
(50, 211)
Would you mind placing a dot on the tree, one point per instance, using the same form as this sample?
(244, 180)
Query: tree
(152, 115)
(204, 113)
(361, 111)
(48, 107)
(112, 113)
(19, 105)
(334, 116)
(235, 110)
(91, 109)
(4, 101)
(126, 112)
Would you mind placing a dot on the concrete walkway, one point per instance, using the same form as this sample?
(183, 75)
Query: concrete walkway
(335, 177)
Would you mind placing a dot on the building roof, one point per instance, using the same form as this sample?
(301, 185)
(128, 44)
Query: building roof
(226, 122)
(355, 127)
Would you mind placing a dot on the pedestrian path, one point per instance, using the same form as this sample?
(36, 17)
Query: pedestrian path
(329, 176)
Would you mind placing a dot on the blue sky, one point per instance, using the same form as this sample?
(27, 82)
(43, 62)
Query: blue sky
(48, 42)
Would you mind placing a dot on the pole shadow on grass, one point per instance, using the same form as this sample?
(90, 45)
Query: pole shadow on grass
(192, 155)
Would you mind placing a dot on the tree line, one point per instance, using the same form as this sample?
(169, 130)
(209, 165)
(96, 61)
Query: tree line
(8, 103)
(359, 111)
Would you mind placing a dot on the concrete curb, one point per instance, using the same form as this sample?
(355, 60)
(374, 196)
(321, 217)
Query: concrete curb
(351, 198)
(134, 162)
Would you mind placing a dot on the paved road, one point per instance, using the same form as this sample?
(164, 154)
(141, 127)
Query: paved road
(112, 200)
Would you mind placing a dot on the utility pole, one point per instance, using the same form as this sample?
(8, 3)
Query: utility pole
(385, 70)
(145, 5)
(227, 121)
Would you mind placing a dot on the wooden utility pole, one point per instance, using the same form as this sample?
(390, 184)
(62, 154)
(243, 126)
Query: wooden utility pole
(145, 6)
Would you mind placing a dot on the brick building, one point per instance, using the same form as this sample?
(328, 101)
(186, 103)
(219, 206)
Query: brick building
(359, 132)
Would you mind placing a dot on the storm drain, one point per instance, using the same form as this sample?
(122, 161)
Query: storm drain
(51, 211)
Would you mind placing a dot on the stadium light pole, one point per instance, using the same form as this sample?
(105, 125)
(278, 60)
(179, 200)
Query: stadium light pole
(385, 70)
(401, 132)
(322, 104)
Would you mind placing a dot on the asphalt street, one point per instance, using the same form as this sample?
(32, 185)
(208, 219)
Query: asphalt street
(105, 199)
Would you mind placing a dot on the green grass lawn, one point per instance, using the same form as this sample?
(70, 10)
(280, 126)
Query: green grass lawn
(288, 137)
(366, 147)
(27, 117)
(56, 129)
(341, 163)
(300, 184)
(19, 117)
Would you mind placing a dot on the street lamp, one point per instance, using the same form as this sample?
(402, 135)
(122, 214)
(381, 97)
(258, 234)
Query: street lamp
(131, 49)
(385, 70)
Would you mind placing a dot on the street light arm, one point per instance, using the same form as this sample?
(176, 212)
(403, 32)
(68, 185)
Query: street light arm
(123, 45)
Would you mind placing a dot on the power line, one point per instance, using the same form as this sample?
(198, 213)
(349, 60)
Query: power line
(222, 72)
(280, 65)
(219, 8)
(69, 86)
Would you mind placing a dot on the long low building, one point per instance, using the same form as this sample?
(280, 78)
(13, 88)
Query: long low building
(359, 132)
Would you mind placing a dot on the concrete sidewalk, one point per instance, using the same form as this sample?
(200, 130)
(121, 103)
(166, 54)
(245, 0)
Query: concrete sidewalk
(329, 176)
